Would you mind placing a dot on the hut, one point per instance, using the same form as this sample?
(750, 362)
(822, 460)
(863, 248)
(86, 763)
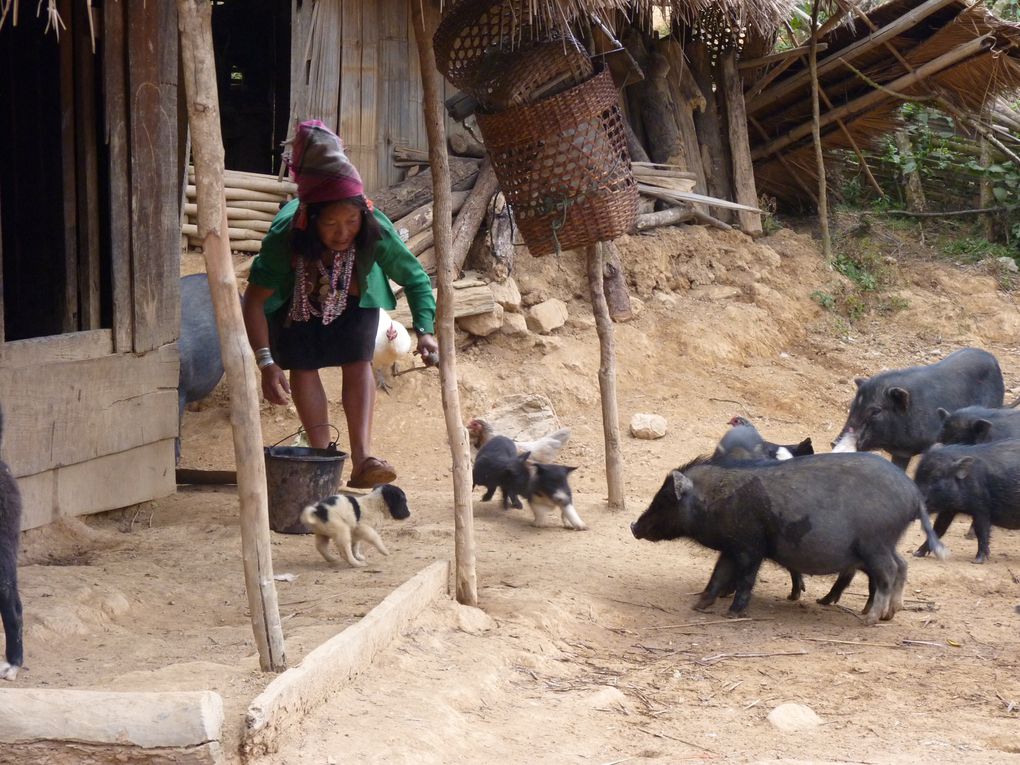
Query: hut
(90, 186)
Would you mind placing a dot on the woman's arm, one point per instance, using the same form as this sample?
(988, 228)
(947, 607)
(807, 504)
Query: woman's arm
(274, 380)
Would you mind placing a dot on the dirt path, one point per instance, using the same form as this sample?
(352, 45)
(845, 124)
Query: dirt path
(585, 648)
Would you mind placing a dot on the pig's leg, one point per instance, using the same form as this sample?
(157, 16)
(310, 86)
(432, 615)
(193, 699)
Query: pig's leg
(841, 583)
(796, 585)
(721, 581)
(571, 519)
(342, 540)
(10, 612)
(372, 537)
(489, 491)
(539, 510)
(322, 545)
(901, 462)
(896, 602)
(882, 570)
(746, 577)
(983, 532)
(940, 526)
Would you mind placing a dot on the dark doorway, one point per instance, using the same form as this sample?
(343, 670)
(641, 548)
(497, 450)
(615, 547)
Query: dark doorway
(252, 42)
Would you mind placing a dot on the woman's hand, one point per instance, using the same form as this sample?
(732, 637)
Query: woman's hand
(428, 349)
(275, 387)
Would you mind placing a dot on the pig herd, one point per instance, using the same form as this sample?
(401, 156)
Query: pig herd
(846, 511)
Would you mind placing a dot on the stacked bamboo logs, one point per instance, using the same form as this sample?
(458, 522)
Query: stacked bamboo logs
(253, 200)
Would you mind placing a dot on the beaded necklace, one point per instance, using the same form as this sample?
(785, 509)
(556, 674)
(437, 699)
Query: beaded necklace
(334, 300)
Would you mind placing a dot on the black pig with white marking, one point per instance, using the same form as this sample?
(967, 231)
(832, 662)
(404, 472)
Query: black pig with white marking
(982, 481)
(978, 425)
(548, 489)
(898, 410)
(498, 466)
(339, 519)
(820, 514)
(10, 601)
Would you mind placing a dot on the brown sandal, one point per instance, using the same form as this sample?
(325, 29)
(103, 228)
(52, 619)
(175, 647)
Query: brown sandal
(372, 472)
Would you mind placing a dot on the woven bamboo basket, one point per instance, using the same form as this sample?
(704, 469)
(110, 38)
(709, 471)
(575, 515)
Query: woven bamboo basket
(563, 165)
(531, 73)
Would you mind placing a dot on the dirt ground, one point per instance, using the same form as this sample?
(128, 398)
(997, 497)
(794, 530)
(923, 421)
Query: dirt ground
(585, 648)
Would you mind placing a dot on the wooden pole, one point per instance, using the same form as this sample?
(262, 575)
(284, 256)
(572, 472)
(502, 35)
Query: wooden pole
(442, 227)
(607, 378)
(238, 362)
(816, 135)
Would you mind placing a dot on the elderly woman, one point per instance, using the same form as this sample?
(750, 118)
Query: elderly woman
(314, 294)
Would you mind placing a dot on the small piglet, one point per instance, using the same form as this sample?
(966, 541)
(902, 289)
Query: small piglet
(982, 481)
(339, 519)
(497, 466)
(10, 602)
(547, 490)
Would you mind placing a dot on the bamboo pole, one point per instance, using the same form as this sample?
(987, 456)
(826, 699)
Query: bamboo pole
(607, 377)
(865, 102)
(195, 19)
(816, 135)
(442, 227)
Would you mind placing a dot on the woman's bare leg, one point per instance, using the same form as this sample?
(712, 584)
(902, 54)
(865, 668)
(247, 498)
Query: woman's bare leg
(358, 395)
(312, 407)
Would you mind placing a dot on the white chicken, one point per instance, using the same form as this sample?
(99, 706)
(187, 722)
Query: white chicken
(542, 449)
(392, 341)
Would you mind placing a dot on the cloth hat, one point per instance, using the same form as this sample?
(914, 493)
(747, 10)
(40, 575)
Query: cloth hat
(320, 168)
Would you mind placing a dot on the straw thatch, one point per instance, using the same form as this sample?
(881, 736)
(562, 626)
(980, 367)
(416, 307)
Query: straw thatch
(967, 86)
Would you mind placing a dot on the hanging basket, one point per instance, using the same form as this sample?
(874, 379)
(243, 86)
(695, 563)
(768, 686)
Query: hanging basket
(474, 32)
(563, 165)
(530, 74)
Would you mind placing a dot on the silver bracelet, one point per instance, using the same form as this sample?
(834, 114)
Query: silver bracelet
(265, 361)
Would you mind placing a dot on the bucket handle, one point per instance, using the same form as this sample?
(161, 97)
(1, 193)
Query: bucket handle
(299, 431)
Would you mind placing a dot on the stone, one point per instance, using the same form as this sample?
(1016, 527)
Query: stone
(506, 294)
(482, 324)
(473, 621)
(791, 718)
(514, 324)
(648, 426)
(546, 316)
(523, 417)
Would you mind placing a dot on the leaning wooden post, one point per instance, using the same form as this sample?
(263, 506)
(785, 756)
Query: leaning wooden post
(740, 144)
(442, 228)
(607, 377)
(207, 148)
(816, 134)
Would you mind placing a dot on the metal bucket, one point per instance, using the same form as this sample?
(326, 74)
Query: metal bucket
(297, 476)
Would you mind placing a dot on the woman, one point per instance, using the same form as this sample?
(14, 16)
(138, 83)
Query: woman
(314, 294)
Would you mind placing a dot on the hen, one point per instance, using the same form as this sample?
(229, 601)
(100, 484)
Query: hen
(542, 449)
(775, 451)
(392, 341)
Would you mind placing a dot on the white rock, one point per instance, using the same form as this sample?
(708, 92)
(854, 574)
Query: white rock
(506, 294)
(482, 324)
(609, 699)
(790, 718)
(637, 305)
(514, 324)
(473, 621)
(547, 316)
(1008, 264)
(648, 426)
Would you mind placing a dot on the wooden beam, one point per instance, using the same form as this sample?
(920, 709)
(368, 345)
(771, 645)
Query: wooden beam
(849, 53)
(812, 195)
(87, 171)
(238, 359)
(424, 22)
(865, 102)
(740, 147)
(816, 135)
(607, 378)
(751, 63)
(68, 131)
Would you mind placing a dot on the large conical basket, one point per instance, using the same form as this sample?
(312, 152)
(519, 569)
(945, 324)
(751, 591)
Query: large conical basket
(563, 165)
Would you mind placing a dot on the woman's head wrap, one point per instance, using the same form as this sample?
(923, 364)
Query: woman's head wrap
(320, 167)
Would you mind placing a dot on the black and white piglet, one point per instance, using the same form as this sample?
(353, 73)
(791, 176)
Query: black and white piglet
(339, 519)
(498, 466)
(10, 601)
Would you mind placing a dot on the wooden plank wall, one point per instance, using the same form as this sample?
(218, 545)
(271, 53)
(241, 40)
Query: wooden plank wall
(155, 219)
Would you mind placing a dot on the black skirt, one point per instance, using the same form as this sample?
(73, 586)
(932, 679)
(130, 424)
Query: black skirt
(349, 338)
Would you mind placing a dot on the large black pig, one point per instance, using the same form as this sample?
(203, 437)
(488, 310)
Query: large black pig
(981, 480)
(821, 514)
(199, 345)
(898, 410)
(978, 425)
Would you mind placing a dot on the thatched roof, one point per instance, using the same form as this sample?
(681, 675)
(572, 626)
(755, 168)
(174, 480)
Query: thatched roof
(783, 109)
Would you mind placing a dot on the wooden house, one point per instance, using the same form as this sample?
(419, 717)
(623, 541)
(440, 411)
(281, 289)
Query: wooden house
(90, 179)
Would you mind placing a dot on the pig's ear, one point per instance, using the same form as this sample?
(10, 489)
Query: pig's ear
(859, 381)
(681, 484)
(942, 413)
(524, 457)
(570, 469)
(900, 397)
(980, 428)
(963, 466)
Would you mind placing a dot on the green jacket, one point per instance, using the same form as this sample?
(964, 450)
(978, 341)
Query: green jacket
(390, 259)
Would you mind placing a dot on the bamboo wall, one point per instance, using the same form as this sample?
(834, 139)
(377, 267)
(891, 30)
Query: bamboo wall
(355, 67)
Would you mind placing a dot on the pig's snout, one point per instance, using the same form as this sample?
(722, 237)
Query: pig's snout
(845, 441)
(633, 530)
